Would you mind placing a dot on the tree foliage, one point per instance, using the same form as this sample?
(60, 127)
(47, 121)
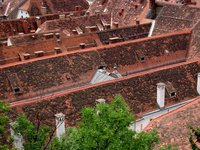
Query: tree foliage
(105, 127)
(4, 120)
(35, 137)
(194, 138)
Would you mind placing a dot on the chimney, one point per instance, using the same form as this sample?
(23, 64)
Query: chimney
(39, 53)
(26, 56)
(115, 24)
(43, 10)
(60, 124)
(38, 21)
(98, 101)
(17, 139)
(161, 95)
(78, 8)
(57, 50)
(198, 83)
(62, 16)
(82, 45)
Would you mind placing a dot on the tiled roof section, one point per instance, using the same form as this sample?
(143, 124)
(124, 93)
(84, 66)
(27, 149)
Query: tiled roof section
(195, 44)
(68, 5)
(34, 7)
(125, 33)
(9, 6)
(14, 27)
(126, 12)
(48, 41)
(176, 17)
(71, 24)
(173, 127)
(77, 68)
(139, 91)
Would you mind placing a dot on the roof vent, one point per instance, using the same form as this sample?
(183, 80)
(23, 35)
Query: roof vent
(57, 50)
(39, 53)
(26, 56)
(115, 24)
(82, 45)
(62, 16)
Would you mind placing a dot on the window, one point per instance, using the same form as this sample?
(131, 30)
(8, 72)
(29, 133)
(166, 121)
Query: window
(173, 94)
(142, 58)
(16, 90)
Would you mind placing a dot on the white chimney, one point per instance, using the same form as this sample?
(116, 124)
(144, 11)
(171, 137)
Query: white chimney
(198, 83)
(161, 95)
(60, 124)
(17, 138)
(101, 100)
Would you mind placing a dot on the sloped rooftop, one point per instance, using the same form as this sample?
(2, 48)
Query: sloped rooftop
(126, 12)
(173, 127)
(47, 42)
(77, 68)
(138, 90)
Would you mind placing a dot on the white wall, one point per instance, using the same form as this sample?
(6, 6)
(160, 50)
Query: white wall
(22, 14)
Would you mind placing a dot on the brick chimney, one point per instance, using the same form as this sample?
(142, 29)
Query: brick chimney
(161, 95)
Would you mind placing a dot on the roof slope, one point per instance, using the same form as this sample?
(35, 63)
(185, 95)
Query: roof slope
(173, 127)
(138, 90)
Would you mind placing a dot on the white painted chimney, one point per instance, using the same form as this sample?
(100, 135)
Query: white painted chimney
(60, 124)
(198, 83)
(101, 100)
(17, 138)
(161, 95)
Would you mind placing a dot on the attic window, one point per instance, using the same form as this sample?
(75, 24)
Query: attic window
(170, 89)
(173, 94)
(102, 67)
(142, 58)
(16, 90)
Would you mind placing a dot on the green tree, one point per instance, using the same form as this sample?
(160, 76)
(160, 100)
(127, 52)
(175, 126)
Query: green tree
(105, 127)
(4, 120)
(35, 137)
(194, 138)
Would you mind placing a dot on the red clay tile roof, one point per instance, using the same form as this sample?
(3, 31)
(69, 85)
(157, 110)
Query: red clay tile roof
(139, 91)
(78, 67)
(34, 7)
(48, 41)
(16, 26)
(71, 24)
(173, 127)
(126, 12)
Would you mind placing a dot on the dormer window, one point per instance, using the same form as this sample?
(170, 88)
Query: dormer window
(142, 59)
(16, 90)
(170, 89)
(173, 94)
